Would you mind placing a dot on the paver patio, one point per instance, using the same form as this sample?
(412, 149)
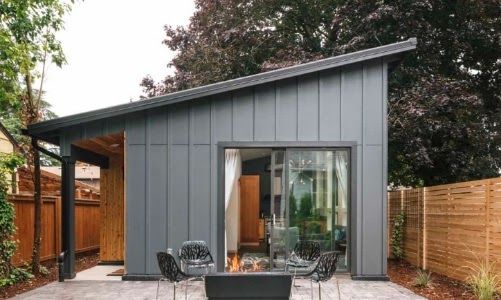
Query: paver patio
(341, 287)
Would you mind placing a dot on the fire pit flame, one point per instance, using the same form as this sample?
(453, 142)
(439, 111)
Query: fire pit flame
(236, 264)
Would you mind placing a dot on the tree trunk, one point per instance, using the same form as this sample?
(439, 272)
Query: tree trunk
(35, 258)
(31, 116)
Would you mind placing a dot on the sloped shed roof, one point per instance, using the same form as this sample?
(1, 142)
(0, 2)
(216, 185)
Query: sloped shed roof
(391, 50)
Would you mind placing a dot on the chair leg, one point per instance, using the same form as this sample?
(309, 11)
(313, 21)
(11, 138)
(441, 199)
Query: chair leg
(205, 292)
(319, 290)
(311, 289)
(186, 290)
(294, 280)
(158, 286)
(174, 290)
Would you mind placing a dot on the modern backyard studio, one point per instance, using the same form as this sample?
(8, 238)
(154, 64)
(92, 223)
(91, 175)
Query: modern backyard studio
(304, 149)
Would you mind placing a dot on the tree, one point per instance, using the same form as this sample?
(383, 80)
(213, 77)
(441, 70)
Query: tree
(28, 41)
(450, 83)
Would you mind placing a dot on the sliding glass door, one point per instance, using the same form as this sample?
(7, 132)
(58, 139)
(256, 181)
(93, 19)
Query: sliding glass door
(278, 233)
(311, 199)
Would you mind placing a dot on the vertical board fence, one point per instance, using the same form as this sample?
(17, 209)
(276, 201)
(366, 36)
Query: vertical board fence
(86, 226)
(449, 228)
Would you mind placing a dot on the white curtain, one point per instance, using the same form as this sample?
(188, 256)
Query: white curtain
(233, 171)
(342, 178)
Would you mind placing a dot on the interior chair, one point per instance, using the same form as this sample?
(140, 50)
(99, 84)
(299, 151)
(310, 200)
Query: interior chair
(196, 259)
(171, 272)
(323, 271)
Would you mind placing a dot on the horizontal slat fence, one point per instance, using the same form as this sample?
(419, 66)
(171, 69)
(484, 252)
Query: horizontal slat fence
(450, 227)
(86, 226)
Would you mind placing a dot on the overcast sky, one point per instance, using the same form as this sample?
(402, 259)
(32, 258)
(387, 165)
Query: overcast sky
(110, 45)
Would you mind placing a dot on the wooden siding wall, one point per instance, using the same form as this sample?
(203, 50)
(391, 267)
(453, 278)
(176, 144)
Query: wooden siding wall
(112, 211)
(171, 156)
(449, 227)
(86, 226)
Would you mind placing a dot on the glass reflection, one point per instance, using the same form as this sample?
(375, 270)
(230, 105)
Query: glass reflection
(318, 199)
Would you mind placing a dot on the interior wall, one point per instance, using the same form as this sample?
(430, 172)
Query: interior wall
(258, 167)
(112, 211)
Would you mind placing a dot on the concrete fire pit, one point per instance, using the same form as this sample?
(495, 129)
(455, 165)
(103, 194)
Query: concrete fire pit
(273, 286)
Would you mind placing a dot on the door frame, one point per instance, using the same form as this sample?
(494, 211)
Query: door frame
(310, 145)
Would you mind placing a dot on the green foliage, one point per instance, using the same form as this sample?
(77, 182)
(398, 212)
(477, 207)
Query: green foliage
(423, 278)
(8, 274)
(293, 212)
(305, 207)
(16, 275)
(444, 98)
(27, 37)
(483, 279)
(397, 236)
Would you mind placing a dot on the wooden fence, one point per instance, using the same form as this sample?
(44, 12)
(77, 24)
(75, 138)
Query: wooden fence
(450, 227)
(86, 226)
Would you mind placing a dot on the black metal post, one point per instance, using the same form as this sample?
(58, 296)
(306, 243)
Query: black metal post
(60, 266)
(68, 215)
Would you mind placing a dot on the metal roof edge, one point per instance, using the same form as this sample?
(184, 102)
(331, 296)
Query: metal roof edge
(224, 86)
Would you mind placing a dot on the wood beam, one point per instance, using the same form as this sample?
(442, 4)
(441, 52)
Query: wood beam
(90, 157)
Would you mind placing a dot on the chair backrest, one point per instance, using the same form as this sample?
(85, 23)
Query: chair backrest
(192, 250)
(168, 267)
(307, 250)
(326, 266)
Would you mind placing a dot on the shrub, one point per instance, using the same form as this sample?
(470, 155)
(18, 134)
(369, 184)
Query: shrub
(8, 274)
(397, 236)
(16, 275)
(423, 278)
(483, 279)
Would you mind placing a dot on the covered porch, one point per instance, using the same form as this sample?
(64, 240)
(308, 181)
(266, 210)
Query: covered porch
(106, 152)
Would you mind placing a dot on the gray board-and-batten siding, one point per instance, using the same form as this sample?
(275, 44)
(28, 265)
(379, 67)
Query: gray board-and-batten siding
(172, 155)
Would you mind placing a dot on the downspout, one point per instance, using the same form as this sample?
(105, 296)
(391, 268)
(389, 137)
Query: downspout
(34, 142)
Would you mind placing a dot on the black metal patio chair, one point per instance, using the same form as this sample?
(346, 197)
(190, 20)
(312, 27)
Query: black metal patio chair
(303, 257)
(171, 272)
(195, 258)
(323, 271)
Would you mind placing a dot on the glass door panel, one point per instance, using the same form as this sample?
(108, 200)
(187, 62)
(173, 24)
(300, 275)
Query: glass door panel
(318, 199)
(278, 223)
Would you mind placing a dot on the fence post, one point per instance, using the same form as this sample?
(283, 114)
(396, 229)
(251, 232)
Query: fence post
(424, 229)
(487, 219)
(419, 238)
(448, 211)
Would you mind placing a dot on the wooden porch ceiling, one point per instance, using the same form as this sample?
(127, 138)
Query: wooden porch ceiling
(109, 145)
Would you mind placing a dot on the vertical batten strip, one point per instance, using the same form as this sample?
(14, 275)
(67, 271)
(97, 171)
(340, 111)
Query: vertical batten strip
(167, 176)
(384, 158)
(190, 153)
(147, 189)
